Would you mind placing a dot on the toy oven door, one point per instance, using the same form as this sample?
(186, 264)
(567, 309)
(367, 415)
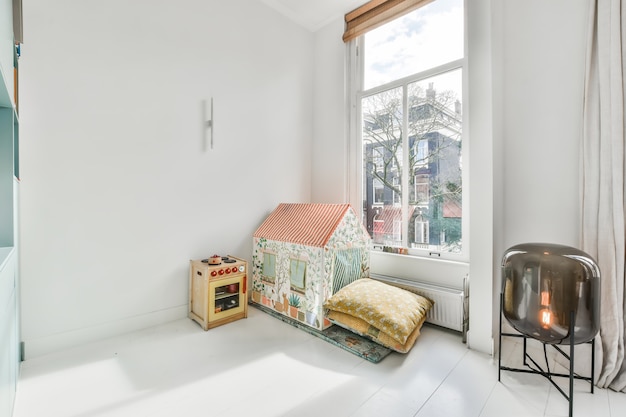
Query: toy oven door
(226, 296)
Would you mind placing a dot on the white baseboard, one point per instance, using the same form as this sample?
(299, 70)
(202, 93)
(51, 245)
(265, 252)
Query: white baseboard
(59, 341)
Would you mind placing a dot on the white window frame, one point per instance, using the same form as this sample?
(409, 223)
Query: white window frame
(354, 84)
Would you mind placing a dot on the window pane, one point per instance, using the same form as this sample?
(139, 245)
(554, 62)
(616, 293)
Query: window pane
(269, 267)
(428, 37)
(297, 274)
(435, 166)
(432, 206)
(382, 165)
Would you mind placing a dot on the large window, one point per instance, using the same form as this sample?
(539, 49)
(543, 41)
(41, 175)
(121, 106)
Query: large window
(410, 109)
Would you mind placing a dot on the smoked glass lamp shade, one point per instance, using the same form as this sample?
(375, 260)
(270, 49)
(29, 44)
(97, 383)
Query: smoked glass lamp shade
(548, 289)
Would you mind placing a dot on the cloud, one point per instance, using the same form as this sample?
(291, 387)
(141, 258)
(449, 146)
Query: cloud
(425, 38)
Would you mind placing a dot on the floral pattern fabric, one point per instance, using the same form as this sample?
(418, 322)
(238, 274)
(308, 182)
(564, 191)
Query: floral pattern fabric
(394, 311)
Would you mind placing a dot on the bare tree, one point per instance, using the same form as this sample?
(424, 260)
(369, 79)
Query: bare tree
(434, 129)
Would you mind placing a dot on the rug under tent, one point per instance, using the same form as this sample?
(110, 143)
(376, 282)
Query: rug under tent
(336, 335)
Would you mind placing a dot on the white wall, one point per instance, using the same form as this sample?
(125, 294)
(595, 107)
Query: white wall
(329, 155)
(117, 192)
(526, 72)
(544, 63)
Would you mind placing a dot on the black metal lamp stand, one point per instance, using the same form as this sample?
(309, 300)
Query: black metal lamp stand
(535, 368)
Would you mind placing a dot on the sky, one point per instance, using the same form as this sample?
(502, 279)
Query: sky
(427, 37)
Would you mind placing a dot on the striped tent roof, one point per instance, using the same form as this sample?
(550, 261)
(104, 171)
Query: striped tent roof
(305, 224)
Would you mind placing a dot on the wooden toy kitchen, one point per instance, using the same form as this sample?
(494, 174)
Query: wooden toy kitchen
(217, 290)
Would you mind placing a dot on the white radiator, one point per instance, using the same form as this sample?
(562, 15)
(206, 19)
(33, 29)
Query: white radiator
(451, 305)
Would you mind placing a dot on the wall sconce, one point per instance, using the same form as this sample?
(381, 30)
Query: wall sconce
(207, 123)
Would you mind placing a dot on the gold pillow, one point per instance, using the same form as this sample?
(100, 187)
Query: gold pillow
(394, 311)
(365, 329)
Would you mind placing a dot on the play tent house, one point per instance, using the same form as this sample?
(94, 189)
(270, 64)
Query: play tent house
(304, 253)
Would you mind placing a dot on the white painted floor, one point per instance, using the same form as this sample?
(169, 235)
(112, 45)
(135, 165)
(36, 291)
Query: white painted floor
(260, 366)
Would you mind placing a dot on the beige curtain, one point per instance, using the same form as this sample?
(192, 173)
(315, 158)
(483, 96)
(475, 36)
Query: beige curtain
(603, 215)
